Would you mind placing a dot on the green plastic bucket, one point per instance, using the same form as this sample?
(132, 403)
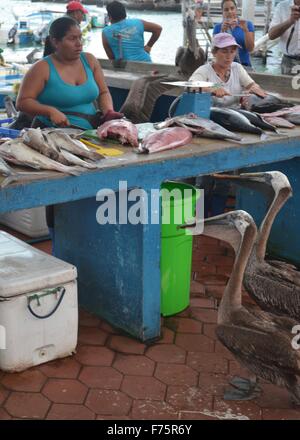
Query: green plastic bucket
(176, 247)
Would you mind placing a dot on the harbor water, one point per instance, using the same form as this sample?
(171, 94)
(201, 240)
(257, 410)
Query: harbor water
(163, 51)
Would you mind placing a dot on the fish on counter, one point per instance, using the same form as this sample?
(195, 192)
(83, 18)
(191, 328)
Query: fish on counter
(257, 120)
(75, 160)
(279, 121)
(15, 151)
(121, 129)
(165, 139)
(199, 126)
(232, 120)
(35, 138)
(63, 141)
(257, 104)
(283, 112)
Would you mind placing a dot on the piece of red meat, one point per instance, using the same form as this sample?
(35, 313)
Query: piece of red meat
(166, 139)
(121, 129)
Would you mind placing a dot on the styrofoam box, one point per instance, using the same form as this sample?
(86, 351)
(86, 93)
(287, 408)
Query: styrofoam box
(31, 222)
(30, 278)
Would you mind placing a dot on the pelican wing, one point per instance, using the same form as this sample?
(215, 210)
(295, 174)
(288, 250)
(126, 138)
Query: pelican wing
(268, 355)
(272, 292)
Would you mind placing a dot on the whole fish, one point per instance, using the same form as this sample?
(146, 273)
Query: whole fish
(257, 120)
(294, 118)
(279, 122)
(15, 151)
(284, 111)
(232, 120)
(34, 138)
(199, 126)
(121, 129)
(75, 160)
(63, 141)
(165, 139)
(262, 105)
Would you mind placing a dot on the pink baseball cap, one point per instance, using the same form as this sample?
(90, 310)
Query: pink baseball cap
(224, 40)
(76, 6)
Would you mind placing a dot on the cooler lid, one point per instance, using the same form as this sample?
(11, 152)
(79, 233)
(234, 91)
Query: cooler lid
(25, 269)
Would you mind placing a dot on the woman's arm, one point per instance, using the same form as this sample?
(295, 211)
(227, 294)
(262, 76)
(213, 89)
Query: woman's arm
(105, 99)
(248, 84)
(249, 35)
(155, 29)
(32, 85)
(107, 48)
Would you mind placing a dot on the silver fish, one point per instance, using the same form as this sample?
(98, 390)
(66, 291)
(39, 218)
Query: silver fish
(200, 126)
(34, 138)
(8, 175)
(74, 146)
(17, 152)
(75, 160)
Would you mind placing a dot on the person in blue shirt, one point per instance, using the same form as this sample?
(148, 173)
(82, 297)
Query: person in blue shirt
(242, 31)
(124, 38)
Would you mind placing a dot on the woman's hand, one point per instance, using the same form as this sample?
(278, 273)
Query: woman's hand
(58, 118)
(257, 90)
(226, 26)
(110, 115)
(243, 25)
(220, 92)
(147, 48)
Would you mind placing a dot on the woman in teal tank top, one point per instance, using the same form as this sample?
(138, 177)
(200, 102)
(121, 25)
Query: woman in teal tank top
(60, 90)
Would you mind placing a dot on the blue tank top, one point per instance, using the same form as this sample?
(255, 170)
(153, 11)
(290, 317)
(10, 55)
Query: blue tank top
(68, 97)
(129, 33)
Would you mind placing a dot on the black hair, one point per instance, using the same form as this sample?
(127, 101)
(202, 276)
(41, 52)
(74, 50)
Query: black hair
(116, 10)
(224, 1)
(58, 29)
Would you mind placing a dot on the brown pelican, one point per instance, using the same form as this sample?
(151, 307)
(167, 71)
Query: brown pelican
(189, 58)
(260, 341)
(274, 285)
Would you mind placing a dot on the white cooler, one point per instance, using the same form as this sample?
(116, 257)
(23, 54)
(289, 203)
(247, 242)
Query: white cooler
(38, 306)
(31, 222)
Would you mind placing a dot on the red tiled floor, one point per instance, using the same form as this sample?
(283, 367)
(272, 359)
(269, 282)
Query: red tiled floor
(67, 368)
(167, 353)
(173, 374)
(134, 365)
(61, 411)
(153, 410)
(182, 376)
(108, 402)
(141, 387)
(27, 405)
(65, 391)
(107, 378)
(30, 380)
(124, 344)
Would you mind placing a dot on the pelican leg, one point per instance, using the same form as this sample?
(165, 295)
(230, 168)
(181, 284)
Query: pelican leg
(244, 389)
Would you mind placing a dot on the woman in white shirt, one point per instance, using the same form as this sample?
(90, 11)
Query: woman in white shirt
(230, 78)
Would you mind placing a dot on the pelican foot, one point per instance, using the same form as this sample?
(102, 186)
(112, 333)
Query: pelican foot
(243, 384)
(235, 394)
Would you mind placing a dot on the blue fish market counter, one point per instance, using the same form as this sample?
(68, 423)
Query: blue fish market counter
(119, 265)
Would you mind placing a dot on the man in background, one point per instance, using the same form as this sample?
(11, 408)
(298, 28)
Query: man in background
(285, 25)
(124, 38)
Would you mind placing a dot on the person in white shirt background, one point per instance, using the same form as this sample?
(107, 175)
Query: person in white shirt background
(286, 26)
(230, 78)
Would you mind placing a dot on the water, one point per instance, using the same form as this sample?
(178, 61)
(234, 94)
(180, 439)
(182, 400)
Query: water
(163, 51)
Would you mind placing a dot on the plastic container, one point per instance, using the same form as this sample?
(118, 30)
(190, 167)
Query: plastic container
(31, 222)
(9, 132)
(176, 249)
(38, 306)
